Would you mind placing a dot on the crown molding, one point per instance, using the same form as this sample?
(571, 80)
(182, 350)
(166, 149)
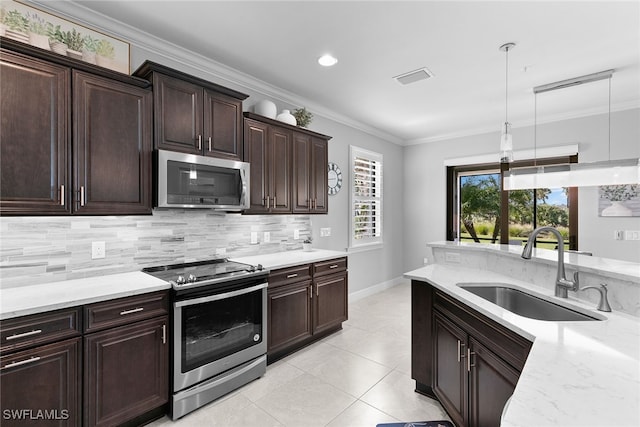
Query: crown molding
(78, 13)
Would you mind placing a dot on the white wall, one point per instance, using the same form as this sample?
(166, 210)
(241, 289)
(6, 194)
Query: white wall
(425, 180)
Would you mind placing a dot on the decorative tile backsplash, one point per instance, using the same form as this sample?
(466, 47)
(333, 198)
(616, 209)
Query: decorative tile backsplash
(47, 249)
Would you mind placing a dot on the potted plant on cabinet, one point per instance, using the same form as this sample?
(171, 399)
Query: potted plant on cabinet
(89, 49)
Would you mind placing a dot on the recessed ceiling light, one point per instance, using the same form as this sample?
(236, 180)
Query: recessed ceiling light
(327, 60)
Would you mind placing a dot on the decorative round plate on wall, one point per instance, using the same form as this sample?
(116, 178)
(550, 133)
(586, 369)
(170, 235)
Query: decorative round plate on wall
(334, 178)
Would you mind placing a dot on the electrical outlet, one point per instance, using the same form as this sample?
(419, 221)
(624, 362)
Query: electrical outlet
(97, 250)
(425, 261)
(631, 235)
(452, 257)
(254, 237)
(325, 232)
(296, 234)
(266, 237)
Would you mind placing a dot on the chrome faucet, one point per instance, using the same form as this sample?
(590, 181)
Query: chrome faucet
(562, 283)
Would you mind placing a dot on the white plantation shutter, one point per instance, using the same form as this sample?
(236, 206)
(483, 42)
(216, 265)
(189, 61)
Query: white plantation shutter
(366, 197)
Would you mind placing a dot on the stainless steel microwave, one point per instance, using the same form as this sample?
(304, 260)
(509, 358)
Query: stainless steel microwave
(192, 181)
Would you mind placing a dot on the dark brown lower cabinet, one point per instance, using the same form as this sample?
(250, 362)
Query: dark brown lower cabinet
(305, 303)
(126, 372)
(41, 386)
(290, 312)
(473, 363)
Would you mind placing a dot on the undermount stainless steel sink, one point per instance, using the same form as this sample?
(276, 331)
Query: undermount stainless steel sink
(523, 303)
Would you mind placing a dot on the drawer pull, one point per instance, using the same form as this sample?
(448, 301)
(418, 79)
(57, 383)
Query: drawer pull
(24, 334)
(21, 362)
(333, 266)
(291, 276)
(134, 310)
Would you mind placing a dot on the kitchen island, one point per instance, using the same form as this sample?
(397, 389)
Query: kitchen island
(577, 373)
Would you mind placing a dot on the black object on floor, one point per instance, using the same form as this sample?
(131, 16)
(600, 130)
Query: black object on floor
(419, 424)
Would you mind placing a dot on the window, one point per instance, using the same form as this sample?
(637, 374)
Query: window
(366, 198)
(478, 210)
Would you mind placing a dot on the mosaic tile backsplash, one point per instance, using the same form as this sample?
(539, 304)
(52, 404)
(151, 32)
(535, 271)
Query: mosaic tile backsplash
(46, 249)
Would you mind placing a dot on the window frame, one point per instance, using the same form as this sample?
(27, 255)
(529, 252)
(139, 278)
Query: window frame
(367, 242)
(452, 173)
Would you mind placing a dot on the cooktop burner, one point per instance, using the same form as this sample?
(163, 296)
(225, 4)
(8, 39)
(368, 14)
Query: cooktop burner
(201, 273)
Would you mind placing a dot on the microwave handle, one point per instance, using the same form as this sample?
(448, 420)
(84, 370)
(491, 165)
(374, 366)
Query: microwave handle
(243, 189)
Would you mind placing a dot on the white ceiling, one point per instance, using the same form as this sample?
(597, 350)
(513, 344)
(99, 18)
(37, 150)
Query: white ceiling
(279, 43)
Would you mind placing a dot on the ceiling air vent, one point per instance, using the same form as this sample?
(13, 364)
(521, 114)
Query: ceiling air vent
(414, 76)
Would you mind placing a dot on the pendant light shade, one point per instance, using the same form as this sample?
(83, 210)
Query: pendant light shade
(609, 172)
(506, 139)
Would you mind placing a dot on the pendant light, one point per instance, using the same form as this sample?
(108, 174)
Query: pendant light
(506, 139)
(609, 172)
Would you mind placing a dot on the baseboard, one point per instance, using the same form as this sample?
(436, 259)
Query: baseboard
(363, 293)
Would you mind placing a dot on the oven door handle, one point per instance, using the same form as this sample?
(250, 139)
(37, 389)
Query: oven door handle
(220, 296)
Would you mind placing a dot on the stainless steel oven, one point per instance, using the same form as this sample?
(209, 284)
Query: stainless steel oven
(219, 330)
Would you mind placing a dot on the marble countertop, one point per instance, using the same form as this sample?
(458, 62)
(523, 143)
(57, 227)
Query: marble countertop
(290, 258)
(32, 299)
(577, 373)
(623, 270)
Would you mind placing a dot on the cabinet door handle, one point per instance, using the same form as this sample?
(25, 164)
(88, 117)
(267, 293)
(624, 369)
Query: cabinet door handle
(21, 362)
(469, 364)
(133, 310)
(310, 292)
(199, 142)
(461, 346)
(164, 333)
(24, 334)
(268, 199)
(62, 201)
(317, 290)
(210, 144)
(274, 201)
(82, 195)
(291, 276)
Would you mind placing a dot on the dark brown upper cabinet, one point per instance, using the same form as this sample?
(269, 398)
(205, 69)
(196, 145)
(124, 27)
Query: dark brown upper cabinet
(268, 149)
(288, 167)
(193, 115)
(34, 131)
(76, 138)
(111, 147)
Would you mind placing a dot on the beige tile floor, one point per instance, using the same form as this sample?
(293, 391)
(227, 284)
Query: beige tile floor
(359, 376)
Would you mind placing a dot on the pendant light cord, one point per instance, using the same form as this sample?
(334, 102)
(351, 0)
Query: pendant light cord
(535, 129)
(506, 87)
(609, 118)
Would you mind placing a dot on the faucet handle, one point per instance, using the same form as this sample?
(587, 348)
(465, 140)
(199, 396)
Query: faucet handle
(576, 280)
(603, 305)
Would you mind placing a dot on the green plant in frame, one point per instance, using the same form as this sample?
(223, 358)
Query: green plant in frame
(104, 48)
(16, 21)
(73, 40)
(90, 44)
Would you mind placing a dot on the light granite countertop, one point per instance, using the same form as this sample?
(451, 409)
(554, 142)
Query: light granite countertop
(32, 299)
(290, 258)
(577, 373)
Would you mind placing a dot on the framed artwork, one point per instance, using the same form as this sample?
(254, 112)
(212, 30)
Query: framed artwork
(619, 200)
(45, 31)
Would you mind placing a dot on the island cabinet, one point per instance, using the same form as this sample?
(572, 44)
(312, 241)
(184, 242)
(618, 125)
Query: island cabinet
(458, 355)
(126, 359)
(40, 369)
(76, 138)
(305, 303)
(193, 115)
(288, 167)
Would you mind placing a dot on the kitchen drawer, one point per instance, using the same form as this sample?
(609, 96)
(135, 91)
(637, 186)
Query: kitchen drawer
(125, 310)
(289, 275)
(28, 331)
(329, 267)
